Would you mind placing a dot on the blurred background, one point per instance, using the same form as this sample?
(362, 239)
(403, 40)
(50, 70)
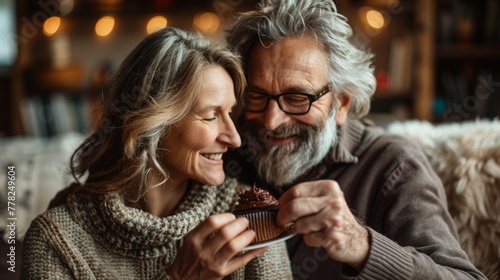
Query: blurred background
(435, 61)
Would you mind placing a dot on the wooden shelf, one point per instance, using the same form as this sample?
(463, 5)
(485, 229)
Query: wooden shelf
(47, 79)
(468, 51)
(391, 94)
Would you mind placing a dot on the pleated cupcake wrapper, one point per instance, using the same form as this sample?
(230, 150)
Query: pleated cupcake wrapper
(264, 225)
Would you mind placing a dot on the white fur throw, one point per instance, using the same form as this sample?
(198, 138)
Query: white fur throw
(466, 156)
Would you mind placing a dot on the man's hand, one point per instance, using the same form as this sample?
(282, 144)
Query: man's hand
(321, 214)
(212, 249)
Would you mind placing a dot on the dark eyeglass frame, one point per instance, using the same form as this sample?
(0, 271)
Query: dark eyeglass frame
(312, 98)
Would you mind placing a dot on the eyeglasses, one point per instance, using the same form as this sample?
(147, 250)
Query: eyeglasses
(290, 103)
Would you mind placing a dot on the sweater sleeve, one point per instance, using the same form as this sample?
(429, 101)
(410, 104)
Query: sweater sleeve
(40, 259)
(417, 238)
(271, 265)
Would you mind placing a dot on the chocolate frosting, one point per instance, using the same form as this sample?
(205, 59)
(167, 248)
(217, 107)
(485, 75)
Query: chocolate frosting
(255, 198)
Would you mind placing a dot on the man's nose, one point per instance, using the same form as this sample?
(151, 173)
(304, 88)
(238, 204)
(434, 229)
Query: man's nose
(273, 116)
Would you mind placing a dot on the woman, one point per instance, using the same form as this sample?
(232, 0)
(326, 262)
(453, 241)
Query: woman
(149, 208)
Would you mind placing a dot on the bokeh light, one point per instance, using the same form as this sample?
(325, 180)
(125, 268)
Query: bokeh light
(375, 19)
(104, 26)
(66, 6)
(156, 23)
(206, 22)
(51, 25)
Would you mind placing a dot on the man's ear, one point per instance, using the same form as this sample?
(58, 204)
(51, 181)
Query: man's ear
(343, 105)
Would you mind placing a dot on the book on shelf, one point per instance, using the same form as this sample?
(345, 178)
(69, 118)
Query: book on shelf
(30, 116)
(400, 64)
(55, 114)
(492, 96)
(470, 99)
(453, 87)
(469, 22)
(491, 22)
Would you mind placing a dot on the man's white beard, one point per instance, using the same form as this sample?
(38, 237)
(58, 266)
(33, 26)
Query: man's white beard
(281, 165)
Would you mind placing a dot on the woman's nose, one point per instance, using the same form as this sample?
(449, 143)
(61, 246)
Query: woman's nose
(230, 135)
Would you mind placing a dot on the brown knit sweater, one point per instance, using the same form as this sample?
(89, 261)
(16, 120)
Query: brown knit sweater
(392, 189)
(99, 237)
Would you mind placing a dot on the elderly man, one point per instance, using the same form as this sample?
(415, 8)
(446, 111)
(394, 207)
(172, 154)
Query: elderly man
(365, 205)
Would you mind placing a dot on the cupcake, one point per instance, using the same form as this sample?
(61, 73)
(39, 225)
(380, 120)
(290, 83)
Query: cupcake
(260, 208)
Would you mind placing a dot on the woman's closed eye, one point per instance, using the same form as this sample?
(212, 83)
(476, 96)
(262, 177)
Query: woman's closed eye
(209, 119)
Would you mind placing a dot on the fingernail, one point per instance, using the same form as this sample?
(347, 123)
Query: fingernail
(243, 219)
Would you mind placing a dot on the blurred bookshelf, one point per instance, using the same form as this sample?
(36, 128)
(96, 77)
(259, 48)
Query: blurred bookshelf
(401, 36)
(65, 54)
(467, 60)
(434, 60)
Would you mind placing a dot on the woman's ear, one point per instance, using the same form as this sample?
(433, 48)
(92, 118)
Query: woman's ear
(344, 104)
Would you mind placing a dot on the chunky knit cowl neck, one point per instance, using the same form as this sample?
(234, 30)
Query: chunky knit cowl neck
(135, 233)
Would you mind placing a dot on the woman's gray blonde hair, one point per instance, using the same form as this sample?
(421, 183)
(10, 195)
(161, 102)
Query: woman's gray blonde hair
(351, 71)
(155, 87)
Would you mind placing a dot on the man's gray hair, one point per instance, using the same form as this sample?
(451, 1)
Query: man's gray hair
(351, 71)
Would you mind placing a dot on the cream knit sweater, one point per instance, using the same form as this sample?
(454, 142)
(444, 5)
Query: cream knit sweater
(99, 237)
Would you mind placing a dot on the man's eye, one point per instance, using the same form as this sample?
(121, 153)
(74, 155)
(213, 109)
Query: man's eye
(255, 95)
(295, 99)
(256, 98)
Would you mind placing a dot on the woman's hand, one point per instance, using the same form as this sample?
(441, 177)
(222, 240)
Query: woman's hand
(212, 249)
